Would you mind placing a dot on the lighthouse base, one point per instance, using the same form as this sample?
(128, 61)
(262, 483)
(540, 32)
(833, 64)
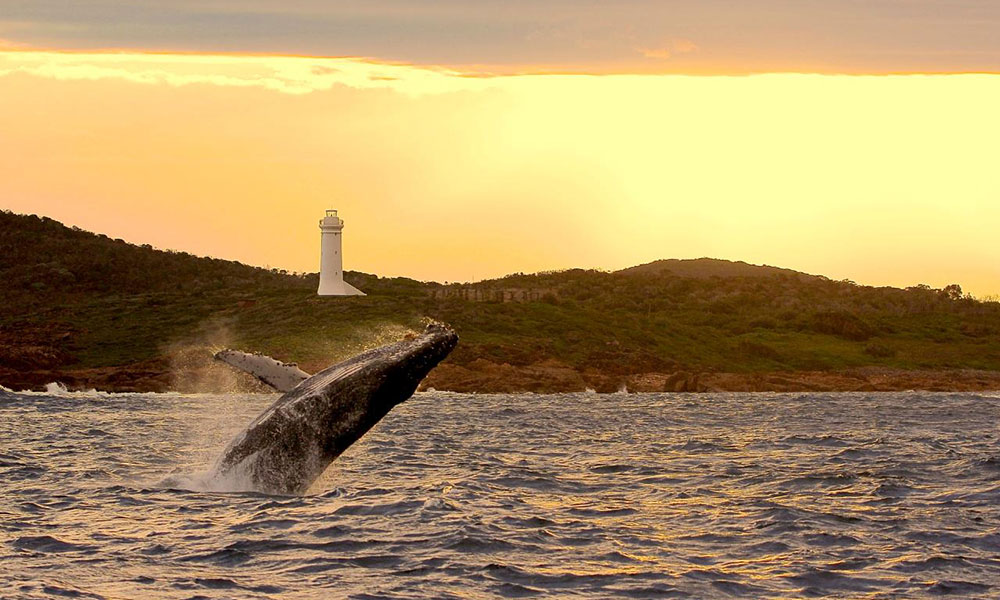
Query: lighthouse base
(338, 288)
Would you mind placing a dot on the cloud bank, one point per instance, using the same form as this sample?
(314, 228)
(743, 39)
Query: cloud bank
(829, 36)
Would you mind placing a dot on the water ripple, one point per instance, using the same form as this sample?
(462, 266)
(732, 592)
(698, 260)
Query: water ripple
(458, 496)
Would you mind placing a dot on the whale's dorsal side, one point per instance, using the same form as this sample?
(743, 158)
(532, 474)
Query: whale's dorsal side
(281, 376)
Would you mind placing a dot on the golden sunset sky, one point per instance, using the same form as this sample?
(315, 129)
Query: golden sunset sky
(463, 143)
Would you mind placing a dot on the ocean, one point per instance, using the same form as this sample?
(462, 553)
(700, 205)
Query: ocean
(513, 496)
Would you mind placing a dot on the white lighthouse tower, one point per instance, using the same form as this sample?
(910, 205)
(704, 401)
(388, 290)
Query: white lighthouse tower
(331, 266)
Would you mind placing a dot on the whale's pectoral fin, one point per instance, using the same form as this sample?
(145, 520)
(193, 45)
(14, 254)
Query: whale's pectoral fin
(281, 376)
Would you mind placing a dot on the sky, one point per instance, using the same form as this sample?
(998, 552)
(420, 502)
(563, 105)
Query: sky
(727, 36)
(465, 140)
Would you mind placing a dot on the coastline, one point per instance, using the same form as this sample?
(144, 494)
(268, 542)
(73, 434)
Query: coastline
(547, 377)
(552, 377)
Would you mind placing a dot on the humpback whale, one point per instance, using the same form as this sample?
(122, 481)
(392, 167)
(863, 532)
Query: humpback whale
(293, 441)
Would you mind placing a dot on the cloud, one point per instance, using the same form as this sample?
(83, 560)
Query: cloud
(283, 74)
(657, 53)
(6, 44)
(870, 36)
(684, 46)
(669, 50)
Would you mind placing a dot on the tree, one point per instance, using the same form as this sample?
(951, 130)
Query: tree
(953, 292)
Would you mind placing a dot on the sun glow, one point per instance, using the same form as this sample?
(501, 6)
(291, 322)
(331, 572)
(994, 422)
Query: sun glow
(881, 179)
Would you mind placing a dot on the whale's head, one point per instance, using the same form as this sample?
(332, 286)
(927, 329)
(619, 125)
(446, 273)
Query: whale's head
(379, 379)
(405, 364)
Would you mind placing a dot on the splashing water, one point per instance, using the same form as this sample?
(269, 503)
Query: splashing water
(361, 339)
(56, 389)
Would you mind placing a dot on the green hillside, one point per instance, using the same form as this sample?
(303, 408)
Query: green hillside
(78, 303)
(707, 268)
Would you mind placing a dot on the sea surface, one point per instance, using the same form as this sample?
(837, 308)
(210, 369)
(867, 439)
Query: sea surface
(487, 496)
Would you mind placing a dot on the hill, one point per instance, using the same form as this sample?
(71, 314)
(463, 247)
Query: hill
(707, 268)
(96, 312)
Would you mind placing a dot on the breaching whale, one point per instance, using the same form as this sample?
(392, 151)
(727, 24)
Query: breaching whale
(292, 442)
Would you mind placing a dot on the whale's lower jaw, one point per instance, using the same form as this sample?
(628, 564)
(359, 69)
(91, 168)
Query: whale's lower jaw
(292, 442)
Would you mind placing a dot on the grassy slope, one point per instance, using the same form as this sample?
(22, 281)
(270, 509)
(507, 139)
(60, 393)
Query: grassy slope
(121, 303)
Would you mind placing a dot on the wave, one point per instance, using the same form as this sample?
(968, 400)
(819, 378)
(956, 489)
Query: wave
(500, 495)
(59, 390)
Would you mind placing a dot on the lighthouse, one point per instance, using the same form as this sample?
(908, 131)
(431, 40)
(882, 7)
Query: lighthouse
(331, 265)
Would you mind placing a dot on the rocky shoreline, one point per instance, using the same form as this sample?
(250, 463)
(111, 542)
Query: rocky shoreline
(552, 377)
(546, 377)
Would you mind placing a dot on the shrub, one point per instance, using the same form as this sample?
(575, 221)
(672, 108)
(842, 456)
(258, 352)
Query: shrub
(879, 350)
(752, 349)
(842, 324)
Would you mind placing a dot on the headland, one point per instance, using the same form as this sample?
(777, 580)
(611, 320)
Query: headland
(94, 312)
